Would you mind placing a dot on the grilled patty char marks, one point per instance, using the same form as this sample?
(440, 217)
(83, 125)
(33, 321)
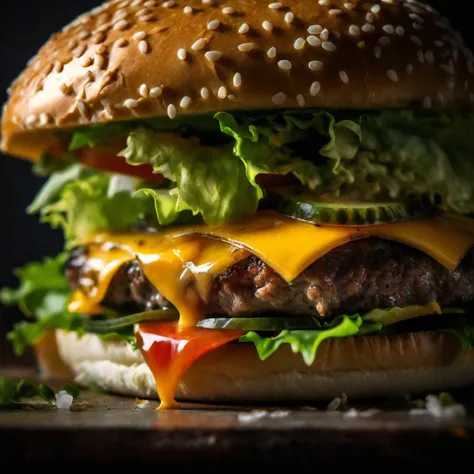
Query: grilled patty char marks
(355, 277)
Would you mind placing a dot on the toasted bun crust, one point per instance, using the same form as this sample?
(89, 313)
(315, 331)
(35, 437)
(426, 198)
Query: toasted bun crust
(151, 58)
(360, 367)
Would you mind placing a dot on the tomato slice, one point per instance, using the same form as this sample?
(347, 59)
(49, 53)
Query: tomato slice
(108, 161)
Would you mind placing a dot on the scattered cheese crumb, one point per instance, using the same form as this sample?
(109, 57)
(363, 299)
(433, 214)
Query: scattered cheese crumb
(254, 415)
(63, 400)
(434, 407)
(140, 403)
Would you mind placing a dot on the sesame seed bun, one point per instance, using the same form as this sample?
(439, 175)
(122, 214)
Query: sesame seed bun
(369, 366)
(146, 58)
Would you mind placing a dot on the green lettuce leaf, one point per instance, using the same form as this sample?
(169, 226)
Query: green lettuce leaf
(210, 181)
(82, 202)
(305, 343)
(43, 295)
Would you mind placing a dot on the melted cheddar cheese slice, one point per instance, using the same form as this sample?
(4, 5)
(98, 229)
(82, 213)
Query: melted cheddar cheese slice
(181, 262)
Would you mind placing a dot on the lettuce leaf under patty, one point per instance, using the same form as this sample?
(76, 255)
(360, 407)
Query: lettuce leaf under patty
(362, 154)
(43, 295)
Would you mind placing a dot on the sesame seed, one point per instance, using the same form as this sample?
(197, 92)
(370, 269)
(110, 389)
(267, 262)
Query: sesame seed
(213, 56)
(315, 65)
(315, 29)
(185, 102)
(58, 66)
(80, 51)
(279, 98)
(416, 17)
(348, 6)
(324, 2)
(198, 44)
(81, 106)
(266, 25)
(243, 28)
(237, 80)
(377, 52)
(440, 97)
(315, 88)
(389, 29)
(31, 119)
(369, 17)
(143, 90)
(430, 57)
(207, 2)
(449, 68)
(121, 42)
(143, 47)
(344, 77)
(271, 53)
(284, 64)
(150, 3)
(392, 75)
(99, 61)
(328, 46)
(121, 25)
(289, 17)
(72, 44)
(324, 35)
(416, 40)
(222, 92)
(354, 30)
(313, 41)
(299, 43)
(275, 5)
(156, 92)
(98, 37)
(409, 69)
(182, 54)
(375, 9)
(139, 35)
(104, 28)
(421, 57)
(205, 93)
(300, 100)
(417, 26)
(130, 103)
(384, 41)
(232, 97)
(149, 17)
(171, 111)
(64, 88)
(400, 30)
(427, 103)
(213, 25)
(335, 11)
(367, 28)
(84, 34)
(439, 43)
(227, 10)
(188, 10)
(87, 62)
(245, 47)
(143, 11)
(102, 49)
(44, 118)
(168, 4)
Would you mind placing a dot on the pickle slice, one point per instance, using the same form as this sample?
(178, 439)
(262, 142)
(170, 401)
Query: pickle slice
(261, 323)
(332, 210)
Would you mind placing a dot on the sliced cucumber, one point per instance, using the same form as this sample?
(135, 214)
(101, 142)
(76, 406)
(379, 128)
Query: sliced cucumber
(103, 326)
(331, 210)
(261, 323)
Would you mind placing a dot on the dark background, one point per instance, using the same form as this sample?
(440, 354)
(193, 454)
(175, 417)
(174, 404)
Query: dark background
(24, 26)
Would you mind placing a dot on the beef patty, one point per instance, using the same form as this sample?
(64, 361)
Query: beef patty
(355, 277)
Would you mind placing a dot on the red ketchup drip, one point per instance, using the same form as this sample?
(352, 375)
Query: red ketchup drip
(169, 350)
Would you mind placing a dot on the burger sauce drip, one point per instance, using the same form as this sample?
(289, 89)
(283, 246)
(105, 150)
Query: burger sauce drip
(169, 350)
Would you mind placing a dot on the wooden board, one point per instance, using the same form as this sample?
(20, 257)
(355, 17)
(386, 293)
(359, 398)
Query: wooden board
(109, 429)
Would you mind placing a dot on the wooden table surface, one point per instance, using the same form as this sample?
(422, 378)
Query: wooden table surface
(113, 430)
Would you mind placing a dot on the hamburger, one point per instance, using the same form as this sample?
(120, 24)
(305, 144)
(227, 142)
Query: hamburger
(261, 201)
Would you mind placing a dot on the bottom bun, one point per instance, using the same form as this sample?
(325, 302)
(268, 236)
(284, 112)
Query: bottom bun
(360, 367)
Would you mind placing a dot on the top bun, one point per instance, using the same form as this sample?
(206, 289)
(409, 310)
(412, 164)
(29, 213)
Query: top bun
(146, 58)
